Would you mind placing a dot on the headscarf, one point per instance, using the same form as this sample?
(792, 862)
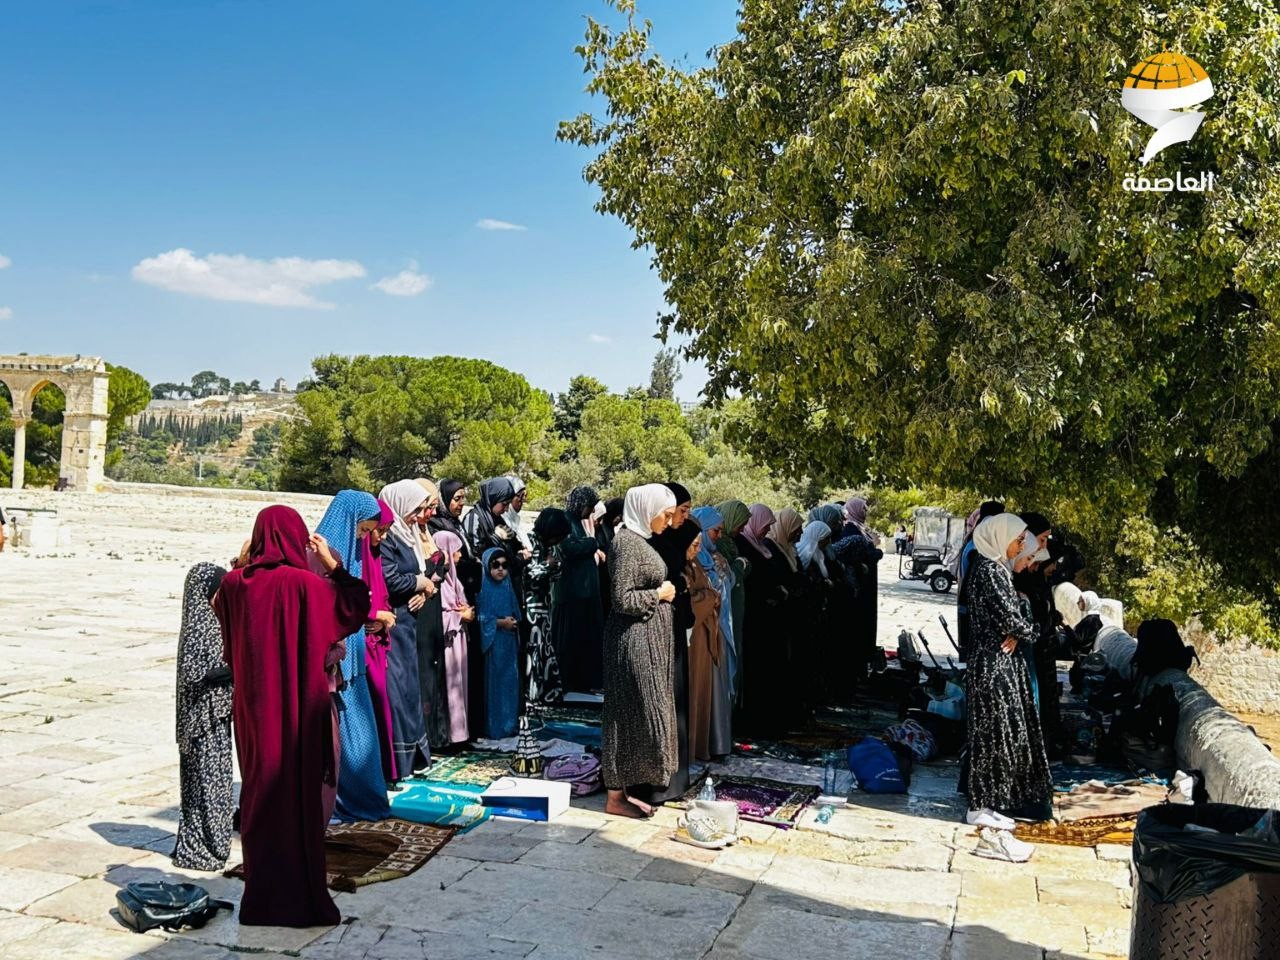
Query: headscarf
(718, 570)
(200, 705)
(579, 502)
(552, 524)
(279, 539)
(810, 548)
(371, 568)
(517, 485)
(1037, 523)
(735, 515)
(993, 535)
(424, 531)
(1066, 600)
(754, 532)
(613, 511)
(642, 506)
(1092, 602)
(444, 518)
(346, 512)
(494, 491)
(682, 494)
(598, 511)
(855, 511)
(831, 515)
(404, 497)
(496, 600)
(451, 593)
(512, 518)
(788, 523)
(708, 519)
(972, 522)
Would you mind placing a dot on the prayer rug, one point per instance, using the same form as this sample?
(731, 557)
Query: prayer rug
(1079, 833)
(442, 804)
(1097, 799)
(476, 767)
(773, 802)
(358, 854)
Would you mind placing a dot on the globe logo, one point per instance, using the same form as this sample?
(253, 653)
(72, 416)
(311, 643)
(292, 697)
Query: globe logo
(1158, 90)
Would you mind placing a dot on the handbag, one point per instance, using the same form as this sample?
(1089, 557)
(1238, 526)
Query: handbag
(581, 771)
(146, 905)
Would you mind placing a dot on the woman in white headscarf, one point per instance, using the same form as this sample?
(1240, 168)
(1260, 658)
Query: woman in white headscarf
(1008, 766)
(640, 747)
(409, 584)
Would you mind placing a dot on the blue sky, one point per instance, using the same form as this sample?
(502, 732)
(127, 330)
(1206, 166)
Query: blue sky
(159, 159)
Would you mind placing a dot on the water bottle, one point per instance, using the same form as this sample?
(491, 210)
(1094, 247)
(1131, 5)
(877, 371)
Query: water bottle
(829, 777)
(825, 812)
(708, 791)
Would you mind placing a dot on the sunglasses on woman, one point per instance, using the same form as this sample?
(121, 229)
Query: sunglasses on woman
(498, 565)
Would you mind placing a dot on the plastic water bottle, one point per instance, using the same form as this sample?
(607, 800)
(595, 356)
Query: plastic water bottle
(825, 812)
(708, 791)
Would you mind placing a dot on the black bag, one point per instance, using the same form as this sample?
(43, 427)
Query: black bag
(1174, 863)
(144, 906)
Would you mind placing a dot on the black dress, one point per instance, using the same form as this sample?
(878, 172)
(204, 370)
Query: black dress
(760, 623)
(431, 680)
(671, 546)
(860, 558)
(404, 690)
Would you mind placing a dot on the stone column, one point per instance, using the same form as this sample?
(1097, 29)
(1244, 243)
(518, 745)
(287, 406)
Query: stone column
(19, 451)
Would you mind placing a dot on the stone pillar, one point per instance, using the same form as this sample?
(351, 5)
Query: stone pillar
(19, 451)
(84, 439)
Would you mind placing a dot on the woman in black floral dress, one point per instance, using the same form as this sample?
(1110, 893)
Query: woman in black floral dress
(1009, 770)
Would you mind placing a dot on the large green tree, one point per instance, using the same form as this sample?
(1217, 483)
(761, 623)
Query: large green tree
(901, 230)
(371, 420)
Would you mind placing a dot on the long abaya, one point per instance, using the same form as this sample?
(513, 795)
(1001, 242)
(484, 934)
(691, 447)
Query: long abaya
(577, 619)
(283, 626)
(400, 569)
(543, 666)
(638, 731)
(706, 652)
(432, 681)
(362, 788)
(1008, 767)
(204, 728)
(759, 648)
(501, 650)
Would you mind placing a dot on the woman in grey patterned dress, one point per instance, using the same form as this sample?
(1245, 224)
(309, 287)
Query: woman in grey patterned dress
(1009, 769)
(204, 728)
(639, 743)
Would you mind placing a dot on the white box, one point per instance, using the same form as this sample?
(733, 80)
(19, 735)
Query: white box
(527, 799)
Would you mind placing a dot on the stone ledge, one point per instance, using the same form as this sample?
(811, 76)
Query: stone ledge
(1237, 766)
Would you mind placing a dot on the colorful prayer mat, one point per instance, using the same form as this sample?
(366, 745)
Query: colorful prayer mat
(1079, 833)
(442, 804)
(475, 767)
(358, 854)
(773, 802)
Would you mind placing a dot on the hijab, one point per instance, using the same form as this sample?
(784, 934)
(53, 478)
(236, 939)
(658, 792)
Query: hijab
(754, 532)
(787, 525)
(1037, 523)
(444, 518)
(580, 501)
(708, 518)
(993, 535)
(642, 506)
(735, 515)
(371, 567)
(404, 497)
(494, 491)
(552, 524)
(279, 539)
(1066, 599)
(810, 548)
(682, 495)
(612, 512)
(346, 512)
(496, 599)
(831, 515)
(424, 531)
(200, 705)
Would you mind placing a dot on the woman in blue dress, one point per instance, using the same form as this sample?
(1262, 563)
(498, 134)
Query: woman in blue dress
(499, 636)
(362, 787)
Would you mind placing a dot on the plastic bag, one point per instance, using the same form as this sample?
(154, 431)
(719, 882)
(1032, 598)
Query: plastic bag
(1174, 863)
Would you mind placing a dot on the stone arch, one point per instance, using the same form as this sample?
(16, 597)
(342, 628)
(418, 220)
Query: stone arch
(83, 382)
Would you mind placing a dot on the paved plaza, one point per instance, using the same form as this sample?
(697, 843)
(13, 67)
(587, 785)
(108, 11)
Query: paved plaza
(89, 802)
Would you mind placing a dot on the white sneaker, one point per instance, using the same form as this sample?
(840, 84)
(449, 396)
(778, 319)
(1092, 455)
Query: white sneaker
(1001, 845)
(988, 818)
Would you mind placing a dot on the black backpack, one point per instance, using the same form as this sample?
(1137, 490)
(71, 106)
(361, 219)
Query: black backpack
(144, 906)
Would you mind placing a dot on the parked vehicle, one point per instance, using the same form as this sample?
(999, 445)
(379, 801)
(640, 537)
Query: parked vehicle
(937, 537)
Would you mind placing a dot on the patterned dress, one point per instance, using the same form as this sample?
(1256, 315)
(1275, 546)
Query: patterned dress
(638, 732)
(204, 729)
(543, 669)
(1008, 765)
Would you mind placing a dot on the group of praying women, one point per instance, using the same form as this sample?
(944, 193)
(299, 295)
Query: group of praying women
(341, 659)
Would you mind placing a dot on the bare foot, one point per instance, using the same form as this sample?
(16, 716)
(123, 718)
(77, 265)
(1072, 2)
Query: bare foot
(618, 805)
(645, 808)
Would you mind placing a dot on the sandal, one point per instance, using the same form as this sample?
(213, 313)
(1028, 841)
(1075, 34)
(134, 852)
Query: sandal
(704, 832)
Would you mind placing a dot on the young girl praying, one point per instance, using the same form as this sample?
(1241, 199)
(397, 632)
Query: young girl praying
(499, 639)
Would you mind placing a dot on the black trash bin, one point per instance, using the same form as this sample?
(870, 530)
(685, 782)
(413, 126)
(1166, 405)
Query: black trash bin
(1204, 896)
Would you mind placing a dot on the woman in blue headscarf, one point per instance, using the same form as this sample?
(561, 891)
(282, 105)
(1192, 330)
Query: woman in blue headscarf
(362, 787)
(710, 699)
(499, 636)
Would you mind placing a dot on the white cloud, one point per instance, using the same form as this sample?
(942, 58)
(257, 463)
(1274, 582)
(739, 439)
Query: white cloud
(4, 261)
(282, 282)
(406, 283)
(599, 338)
(490, 224)
(6, 313)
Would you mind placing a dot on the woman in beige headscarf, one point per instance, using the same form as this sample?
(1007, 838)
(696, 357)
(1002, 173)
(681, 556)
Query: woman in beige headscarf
(432, 668)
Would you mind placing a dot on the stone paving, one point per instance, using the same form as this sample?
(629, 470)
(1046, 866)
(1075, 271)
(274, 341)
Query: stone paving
(89, 796)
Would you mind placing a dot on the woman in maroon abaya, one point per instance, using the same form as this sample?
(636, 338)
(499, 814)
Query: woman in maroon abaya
(283, 626)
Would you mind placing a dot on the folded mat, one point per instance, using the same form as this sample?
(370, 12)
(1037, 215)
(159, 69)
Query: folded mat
(358, 854)
(773, 802)
(475, 767)
(442, 804)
